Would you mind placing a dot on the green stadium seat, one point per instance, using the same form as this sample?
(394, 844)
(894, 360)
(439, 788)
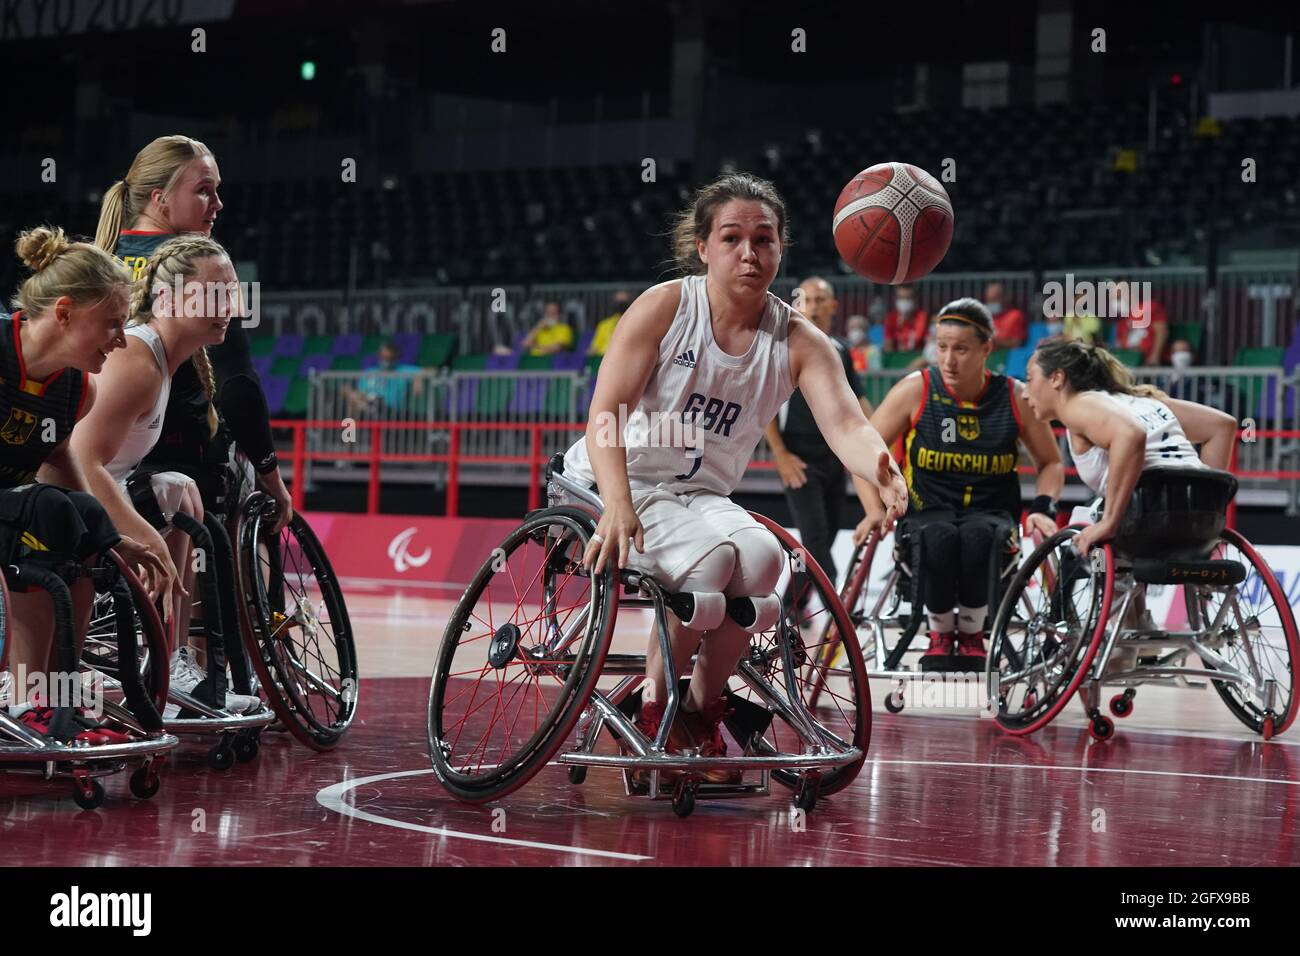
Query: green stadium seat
(1259, 357)
(318, 345)
(1130, 357)
(559, 396)
(1189, 332)
(261, 345)
(877, 388)
(370, 344)
(288, 367)
(347, 363)
(295, 404)
(493, 396)
(997, 359)
(898, 359)
(469, 363)
(435, 350)
(535, 363)
(1250, 387)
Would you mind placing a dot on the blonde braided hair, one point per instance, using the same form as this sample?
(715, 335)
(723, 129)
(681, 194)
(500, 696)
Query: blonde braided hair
(178, 258)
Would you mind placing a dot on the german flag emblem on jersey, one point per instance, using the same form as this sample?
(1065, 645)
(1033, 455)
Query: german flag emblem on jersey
(968, 427)
(18, 428)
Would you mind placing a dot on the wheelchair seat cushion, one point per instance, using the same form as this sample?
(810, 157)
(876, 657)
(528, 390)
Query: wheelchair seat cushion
(1176, 513)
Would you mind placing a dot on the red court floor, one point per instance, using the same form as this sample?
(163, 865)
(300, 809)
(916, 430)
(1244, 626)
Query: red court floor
(937, 791)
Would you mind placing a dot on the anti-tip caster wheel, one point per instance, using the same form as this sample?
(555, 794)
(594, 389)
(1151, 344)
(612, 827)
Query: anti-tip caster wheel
(88, 793)
(222, 756)
(246, 748)
(145, 782)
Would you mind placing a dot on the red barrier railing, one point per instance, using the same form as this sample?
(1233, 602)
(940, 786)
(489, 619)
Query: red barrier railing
(535, 460)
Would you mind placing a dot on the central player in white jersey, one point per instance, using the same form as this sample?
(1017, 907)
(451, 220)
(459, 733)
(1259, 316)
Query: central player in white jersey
(1117, 430)
(695, 370)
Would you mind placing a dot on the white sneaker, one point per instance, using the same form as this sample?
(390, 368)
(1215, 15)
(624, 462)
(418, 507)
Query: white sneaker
(186, 674)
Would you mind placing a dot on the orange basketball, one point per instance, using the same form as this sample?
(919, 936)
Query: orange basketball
(893, 223)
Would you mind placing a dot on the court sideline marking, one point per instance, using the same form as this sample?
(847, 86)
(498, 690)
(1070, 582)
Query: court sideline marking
(334, 796)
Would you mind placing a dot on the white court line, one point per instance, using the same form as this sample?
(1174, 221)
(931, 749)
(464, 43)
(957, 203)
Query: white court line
(1035, 766)
(333, 798)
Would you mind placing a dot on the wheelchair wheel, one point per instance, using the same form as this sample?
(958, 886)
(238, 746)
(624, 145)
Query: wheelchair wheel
(296, 625)
(1048, 628)
(851, 597)
(101, 651)
(519, 657)
(1257, 637)
(791, 661)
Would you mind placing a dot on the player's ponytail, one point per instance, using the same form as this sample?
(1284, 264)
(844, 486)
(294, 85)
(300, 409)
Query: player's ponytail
(60, 267)
(1089, 368)
(696, 220)
(154, 167)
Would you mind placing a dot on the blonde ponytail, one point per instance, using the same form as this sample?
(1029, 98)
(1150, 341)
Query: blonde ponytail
(60, 267)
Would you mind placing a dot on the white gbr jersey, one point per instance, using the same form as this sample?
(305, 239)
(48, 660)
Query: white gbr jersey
(1167, 443)
(704, 410)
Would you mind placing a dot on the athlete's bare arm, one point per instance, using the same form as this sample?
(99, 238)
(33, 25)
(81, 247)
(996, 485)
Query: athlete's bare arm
(1041, 444)
(1103, 422)
(629, 362)
(891, 419)
(1213, 430)
(817, 371)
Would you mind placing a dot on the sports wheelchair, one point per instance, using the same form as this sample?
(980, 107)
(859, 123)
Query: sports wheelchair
(131, 703)
(885, 624)
(1069, 623)
(296, 644)
(525, 659)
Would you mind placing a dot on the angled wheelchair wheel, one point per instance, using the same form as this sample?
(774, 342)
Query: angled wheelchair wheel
(102, 649)
(519, 657)
(295, 625)
(1250, 631)
(793, 673)
(1048, 628)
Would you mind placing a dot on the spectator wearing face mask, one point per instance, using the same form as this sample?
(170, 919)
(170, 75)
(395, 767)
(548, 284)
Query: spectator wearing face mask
(865, 356)
(1010, 325)
(378, 392)
(551, 334)
(905, 324)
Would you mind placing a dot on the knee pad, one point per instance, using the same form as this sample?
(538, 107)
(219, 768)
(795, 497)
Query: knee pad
(976, 544)
(699, 610)
(941, 544)
(759, 561)
(755, 614)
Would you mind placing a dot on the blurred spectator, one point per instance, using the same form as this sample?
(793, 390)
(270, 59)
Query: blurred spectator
(1184, 383)
(1010, 325)
(905, 324)
(865, 356)
(551, 334)
(929, 354)
(1143, 327)
(605, 327)
(377, 392)
(1082, 325)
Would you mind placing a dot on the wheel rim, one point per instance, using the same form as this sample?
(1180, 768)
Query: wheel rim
(518, 656)
(1047, 631)
(1256, 637)
(835, 693)
(295, 607)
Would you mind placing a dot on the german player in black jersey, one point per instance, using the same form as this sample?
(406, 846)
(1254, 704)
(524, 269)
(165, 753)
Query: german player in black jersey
(171, 188)
(69, 315)
(962, 426)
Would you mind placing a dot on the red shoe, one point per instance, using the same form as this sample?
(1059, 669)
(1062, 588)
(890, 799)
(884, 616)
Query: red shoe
(938, 656)
(705, 732)
(971, 645)
(38, 720)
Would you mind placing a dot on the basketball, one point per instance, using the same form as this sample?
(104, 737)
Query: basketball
(893, 223)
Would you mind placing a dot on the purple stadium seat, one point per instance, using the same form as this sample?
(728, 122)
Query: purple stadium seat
(408, 347)
(465, 397)
(315, 363)
(502, 363)
(584, 341)
(569, 361)
(276, 388)
(529, 397)
(347, 344)
(287, 346)
(262, 366)
(369, 361)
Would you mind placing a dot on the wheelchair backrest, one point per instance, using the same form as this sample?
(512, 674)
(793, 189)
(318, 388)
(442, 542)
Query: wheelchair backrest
(1176, 513)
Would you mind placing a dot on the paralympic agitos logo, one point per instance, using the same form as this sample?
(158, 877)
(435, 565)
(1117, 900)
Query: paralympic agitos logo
(399, 550)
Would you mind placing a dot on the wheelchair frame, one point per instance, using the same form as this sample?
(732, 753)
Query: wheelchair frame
(827, 764)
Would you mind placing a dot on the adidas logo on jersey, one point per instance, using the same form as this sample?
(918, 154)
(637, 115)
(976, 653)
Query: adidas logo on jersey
(686, 359)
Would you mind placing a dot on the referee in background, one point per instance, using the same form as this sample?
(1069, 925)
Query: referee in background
(813, 478)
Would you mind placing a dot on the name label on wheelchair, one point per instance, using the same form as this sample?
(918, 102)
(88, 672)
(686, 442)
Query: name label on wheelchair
(1199, 573)
(943, 690)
